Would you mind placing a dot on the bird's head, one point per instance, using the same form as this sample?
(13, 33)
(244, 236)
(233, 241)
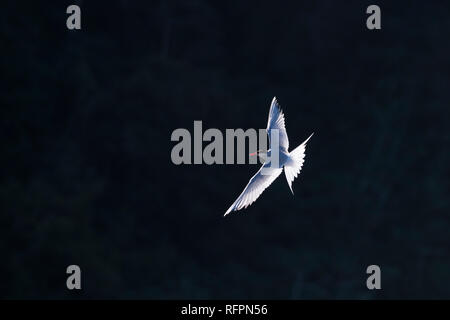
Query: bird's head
(257, 153)
(260, 153)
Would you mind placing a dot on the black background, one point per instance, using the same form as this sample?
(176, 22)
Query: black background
(87, 178)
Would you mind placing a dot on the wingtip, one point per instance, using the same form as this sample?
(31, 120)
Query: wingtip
(275, 105)
(274, 100)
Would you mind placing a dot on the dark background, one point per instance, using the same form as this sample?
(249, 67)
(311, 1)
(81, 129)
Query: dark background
(87, 178)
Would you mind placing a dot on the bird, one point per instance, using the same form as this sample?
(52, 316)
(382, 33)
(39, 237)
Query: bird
(291, 162)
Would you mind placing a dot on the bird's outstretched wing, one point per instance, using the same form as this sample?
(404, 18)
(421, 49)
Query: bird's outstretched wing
(257, 184)
(276, 121)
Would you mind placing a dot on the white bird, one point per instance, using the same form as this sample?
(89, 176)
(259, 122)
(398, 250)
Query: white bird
(292, 162)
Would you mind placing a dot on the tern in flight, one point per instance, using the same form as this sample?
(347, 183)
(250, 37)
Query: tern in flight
(292, 162)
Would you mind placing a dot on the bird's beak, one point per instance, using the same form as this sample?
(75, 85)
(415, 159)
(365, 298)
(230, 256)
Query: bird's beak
(253, 154)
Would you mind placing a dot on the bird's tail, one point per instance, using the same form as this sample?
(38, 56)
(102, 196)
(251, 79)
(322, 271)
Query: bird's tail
(295, 165)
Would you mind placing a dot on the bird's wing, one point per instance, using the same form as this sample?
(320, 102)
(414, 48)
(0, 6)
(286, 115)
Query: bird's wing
(276, 121)
(257, 184)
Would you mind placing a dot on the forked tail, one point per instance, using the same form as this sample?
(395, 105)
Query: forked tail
(293, 168)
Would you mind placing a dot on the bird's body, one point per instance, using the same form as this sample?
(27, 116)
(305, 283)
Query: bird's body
(291, 162)
(284, 158)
